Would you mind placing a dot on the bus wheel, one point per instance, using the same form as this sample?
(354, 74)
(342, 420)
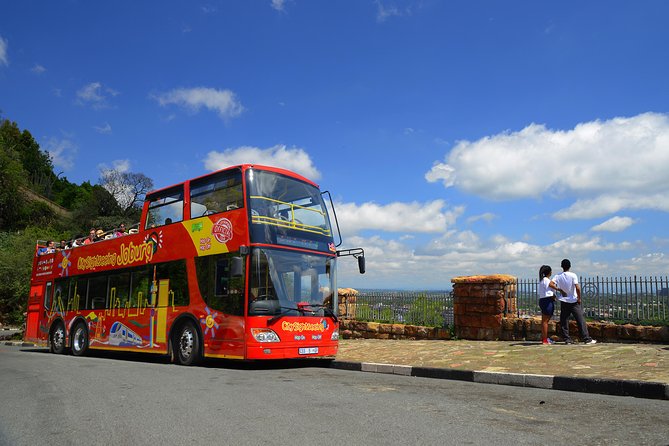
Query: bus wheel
(187, 345)
(79, 340)
(57, 339)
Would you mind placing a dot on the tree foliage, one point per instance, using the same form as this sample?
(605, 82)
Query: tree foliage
(16, 261)
(12, 177)
(37, 163)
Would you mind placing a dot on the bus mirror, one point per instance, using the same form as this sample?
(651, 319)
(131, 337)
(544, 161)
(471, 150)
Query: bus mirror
(361, 264)
(237, 267)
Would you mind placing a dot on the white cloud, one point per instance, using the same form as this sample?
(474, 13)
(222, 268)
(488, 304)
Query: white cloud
(62, 152)
(104, 129)
(224, 102)
(4, 60)
(121, 166)
(487, 217)
(615, 224)
(294, 159)
(430, 217)
(388, 9)
(279, 5)
(95, 95)
(607, 204)
(393, 263)
(38, 69)
(610, 165)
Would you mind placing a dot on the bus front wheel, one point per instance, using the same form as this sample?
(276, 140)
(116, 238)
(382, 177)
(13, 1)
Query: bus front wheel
(57, 339)
(79, 339)
(187, 345)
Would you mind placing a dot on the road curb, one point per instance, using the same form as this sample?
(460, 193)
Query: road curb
(604, 386)
(19, 343)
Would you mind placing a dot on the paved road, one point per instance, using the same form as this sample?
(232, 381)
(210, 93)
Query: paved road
(117, 399)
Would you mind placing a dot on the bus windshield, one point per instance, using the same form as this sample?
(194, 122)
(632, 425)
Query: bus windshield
(287, 211)
(282, 282)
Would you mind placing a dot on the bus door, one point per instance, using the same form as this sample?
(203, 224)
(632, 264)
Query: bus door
(161, 311)
(34, 311)
(38, 312)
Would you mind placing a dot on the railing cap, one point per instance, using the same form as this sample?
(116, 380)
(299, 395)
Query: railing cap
(494, 278)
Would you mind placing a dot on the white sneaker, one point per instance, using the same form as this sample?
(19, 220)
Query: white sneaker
(592, 341)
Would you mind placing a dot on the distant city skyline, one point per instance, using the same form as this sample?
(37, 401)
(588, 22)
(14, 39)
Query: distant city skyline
(455, 139)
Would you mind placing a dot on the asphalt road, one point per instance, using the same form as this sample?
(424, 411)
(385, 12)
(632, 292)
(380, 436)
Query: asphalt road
(113, 399)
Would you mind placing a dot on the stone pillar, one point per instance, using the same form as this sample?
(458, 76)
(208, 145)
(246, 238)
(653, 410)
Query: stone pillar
(347, 298)
(480, 303)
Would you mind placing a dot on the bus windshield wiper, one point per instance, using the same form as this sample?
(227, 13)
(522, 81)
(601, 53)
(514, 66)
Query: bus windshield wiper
(303, 308)
(327, 310)
(300, 307)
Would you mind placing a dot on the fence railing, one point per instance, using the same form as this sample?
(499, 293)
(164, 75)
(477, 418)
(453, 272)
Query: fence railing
(619, 299)
(427, 308)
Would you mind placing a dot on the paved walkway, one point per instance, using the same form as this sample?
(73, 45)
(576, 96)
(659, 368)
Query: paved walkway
(604, 362)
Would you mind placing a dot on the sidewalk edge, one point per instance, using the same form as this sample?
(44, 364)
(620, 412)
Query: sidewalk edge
(604, 386)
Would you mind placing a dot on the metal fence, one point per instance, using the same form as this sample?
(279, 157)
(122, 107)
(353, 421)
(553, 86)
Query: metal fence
(617, 299)
(427, 308)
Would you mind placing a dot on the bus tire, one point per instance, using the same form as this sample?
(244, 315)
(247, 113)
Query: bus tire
(187, 347)
(57, 339)
(79, 339)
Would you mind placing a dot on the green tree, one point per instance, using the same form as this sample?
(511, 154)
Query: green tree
(16, 262)
(36, 162)
(12, 177)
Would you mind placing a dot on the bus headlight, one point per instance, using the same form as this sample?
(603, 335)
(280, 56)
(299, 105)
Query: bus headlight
(264, 335)
(335, 335)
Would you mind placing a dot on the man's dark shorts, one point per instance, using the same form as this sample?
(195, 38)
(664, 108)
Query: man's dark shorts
(547, 306)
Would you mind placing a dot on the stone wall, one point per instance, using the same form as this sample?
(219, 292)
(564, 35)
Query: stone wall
(513, 329)
(530, 329)
(350, 329)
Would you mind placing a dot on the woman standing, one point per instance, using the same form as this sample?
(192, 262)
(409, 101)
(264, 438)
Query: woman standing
(546, 300)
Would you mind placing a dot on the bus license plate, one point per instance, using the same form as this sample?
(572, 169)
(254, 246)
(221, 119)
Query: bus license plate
(307, 350)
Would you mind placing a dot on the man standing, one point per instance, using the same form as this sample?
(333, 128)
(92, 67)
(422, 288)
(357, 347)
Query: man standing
(571, 303)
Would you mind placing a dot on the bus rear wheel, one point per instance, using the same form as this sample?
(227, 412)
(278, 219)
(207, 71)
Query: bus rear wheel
(57, 339)
(79, 340)
(187, 345)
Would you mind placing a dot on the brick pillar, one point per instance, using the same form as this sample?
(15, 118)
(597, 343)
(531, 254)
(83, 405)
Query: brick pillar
(347, 298)
(480, 303)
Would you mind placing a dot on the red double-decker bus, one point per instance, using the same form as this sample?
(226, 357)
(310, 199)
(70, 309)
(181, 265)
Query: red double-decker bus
(239, 263)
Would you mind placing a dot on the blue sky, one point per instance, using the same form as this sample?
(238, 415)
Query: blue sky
(457, 138)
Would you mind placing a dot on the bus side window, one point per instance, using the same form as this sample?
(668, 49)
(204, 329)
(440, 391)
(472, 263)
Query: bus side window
(140, 288)
(219, 192)
(176, 273)
(74, 296)
(119, 290)
(165, 207)
(48, 296)
(97, 293)
(219, 289)
(61, 294)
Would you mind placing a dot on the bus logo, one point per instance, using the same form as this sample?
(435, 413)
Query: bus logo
(222, 230)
